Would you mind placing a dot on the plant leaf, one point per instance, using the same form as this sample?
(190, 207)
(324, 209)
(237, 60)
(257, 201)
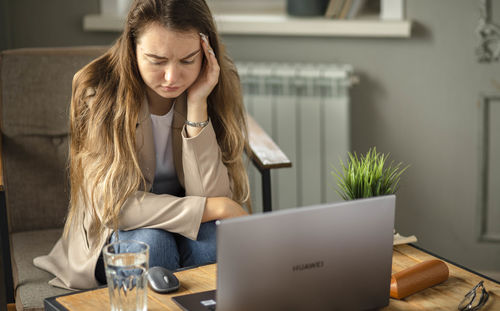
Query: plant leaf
(367, 175)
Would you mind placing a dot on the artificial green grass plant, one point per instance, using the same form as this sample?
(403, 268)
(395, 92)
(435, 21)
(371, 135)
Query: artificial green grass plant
(365, 176)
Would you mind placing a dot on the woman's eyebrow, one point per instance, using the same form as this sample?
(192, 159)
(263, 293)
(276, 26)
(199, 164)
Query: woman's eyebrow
(192, 54)
(164, 58)
(154, 56)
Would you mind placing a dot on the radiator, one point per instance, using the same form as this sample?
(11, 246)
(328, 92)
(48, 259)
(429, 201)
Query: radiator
(305, 109)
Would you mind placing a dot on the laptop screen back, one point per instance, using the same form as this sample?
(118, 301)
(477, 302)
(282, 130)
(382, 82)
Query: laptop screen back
(335, 256)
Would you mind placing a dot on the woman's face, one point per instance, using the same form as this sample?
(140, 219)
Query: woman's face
(169, 61)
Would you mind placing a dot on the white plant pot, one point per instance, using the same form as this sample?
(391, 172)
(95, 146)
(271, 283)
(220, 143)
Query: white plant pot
(115, 7)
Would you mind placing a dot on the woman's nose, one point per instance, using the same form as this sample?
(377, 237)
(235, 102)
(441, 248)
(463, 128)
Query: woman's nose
(171, 73)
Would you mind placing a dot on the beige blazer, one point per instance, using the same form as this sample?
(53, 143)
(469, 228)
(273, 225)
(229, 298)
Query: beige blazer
(198, 162)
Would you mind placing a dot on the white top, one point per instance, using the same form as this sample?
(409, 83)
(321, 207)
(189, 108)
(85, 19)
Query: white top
(165, 176)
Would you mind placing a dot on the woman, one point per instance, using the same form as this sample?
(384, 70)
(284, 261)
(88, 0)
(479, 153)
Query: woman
(157, 133)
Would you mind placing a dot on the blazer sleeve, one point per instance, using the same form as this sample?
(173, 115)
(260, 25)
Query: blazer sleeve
(205, 175)
(181, 215)
(204, 172)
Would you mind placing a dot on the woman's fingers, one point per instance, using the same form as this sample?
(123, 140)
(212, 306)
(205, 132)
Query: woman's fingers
(212, 64)
(206, 47)
(208, 77)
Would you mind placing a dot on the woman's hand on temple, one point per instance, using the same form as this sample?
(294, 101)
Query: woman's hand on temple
(208, 77)
(221, 208)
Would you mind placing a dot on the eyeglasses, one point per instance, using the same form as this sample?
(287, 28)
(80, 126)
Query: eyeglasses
(472, 301)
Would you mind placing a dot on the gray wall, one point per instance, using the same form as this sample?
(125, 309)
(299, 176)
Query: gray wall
(35, 23)
(417, 100)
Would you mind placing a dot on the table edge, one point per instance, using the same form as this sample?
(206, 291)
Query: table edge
(455, 264)
(51, 303)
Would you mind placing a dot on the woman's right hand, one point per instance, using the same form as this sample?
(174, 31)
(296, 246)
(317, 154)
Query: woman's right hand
(221, 208)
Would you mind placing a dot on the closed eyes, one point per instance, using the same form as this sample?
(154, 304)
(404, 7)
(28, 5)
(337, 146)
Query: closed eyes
(184, 62)
(160, 60)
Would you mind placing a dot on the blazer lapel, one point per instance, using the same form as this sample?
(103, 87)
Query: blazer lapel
(180, 112)
(144, 140)
(145, 146)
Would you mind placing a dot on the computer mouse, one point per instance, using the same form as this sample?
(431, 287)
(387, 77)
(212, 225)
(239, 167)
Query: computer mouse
(162, 280)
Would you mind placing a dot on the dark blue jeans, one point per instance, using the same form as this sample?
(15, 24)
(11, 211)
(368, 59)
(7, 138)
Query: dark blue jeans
(170, 250)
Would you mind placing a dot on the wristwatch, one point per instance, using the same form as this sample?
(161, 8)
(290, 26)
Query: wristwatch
(197, 124)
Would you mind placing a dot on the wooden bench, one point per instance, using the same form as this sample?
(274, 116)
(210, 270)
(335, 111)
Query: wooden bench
(265, 155)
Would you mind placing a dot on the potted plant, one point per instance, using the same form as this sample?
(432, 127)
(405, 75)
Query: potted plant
(367, 175)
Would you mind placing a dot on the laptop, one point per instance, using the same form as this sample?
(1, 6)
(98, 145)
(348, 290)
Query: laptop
(335, 256)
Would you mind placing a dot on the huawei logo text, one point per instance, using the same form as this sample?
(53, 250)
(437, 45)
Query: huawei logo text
(307, 266)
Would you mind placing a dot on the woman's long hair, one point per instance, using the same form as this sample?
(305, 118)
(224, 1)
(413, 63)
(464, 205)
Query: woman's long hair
(106, 99)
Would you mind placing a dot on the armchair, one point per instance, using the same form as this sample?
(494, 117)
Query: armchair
(35, 92)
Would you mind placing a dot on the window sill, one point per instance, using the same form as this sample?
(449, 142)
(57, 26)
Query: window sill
(280, 25)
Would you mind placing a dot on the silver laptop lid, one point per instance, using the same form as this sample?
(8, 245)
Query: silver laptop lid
(335, 256)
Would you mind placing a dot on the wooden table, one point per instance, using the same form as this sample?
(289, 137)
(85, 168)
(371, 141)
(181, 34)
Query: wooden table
(444, 296)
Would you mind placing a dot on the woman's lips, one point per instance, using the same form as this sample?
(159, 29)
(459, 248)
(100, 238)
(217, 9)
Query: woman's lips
(169, 88)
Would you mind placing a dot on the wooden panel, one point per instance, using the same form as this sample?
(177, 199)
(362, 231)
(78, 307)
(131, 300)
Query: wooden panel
(493, 203)
(1, 167)
(489, 170)
(261, 106)
(264, 149)
(444, 296)
(268, 156)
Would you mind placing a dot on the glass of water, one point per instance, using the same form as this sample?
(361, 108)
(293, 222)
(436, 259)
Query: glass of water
(126, 264)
